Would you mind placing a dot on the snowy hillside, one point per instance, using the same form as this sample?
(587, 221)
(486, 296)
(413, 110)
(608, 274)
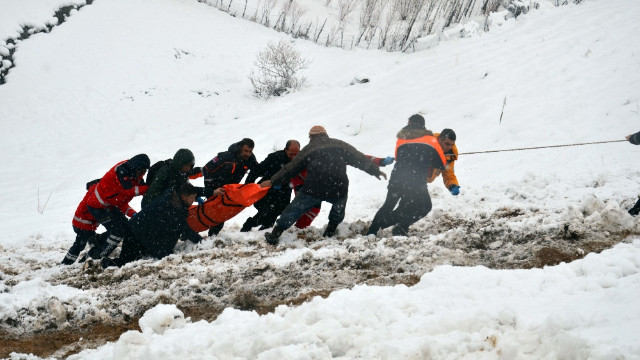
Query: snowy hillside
(123, 77)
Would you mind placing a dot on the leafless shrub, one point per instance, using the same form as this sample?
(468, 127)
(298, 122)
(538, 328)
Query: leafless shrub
(276, 70)
(42, 206)
(369, 16)
(265, 12)
(345, 7)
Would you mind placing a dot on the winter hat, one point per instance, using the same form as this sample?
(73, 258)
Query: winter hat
(140, 162)
(183, 157)
(317, 130)
(416, 120)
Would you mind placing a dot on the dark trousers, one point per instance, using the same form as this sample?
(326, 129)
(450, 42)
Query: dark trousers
(82, 237)
(269, 209)
(132, 250)
(116, 224)
(303, 203)
(413, 205)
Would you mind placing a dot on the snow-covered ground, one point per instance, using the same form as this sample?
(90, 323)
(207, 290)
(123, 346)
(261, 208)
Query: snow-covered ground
(122, 77)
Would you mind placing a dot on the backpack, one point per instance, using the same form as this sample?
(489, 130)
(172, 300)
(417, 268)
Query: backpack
(153, 170)
(90, 183)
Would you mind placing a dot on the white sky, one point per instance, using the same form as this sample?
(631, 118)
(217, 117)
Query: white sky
(122, 77)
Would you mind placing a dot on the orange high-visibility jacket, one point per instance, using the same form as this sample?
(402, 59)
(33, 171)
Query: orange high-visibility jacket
(448, 175)
(218, 209)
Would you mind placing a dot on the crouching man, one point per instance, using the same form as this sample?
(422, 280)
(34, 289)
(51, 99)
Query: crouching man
(158, 227)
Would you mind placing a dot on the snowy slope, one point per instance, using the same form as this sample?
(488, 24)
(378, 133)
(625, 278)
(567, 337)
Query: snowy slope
(123, 77)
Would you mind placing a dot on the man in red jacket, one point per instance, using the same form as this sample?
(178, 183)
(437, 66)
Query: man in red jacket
(107, 203)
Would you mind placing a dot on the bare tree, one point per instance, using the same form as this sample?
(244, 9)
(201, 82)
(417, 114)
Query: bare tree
(370, 8)
(345, 7)
(265, 12)
(276, 70)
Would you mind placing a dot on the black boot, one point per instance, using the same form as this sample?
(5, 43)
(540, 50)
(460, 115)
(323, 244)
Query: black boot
(400, 230)
(69, 259)
(635, 210)
(215, 230)
(273, 237)
(330, 231)
(248, 225)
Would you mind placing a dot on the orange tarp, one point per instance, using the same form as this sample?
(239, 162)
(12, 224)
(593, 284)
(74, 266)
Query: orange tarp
(218, 209)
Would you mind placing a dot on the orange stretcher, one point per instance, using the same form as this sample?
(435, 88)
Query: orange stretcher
(218, 209)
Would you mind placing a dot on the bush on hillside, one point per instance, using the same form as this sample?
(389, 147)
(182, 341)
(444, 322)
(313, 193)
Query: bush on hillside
(276, 70)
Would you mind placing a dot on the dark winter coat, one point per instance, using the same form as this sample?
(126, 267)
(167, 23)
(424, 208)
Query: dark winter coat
(635, 138)
(414, 160)
(326, 161)
(170, 176)
(264, 170)
(227, 168)
(158, 226)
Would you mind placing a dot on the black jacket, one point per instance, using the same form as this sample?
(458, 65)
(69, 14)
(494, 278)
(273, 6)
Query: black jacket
(267, 168)
(170, 176)
(413, 161)
(158, 226)
(326, 161)
(227, 168)
(635, 138)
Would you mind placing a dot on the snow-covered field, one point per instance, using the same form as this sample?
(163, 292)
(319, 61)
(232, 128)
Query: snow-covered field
(122, 77)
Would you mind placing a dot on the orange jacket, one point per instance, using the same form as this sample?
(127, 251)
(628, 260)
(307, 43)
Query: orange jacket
(448, 175)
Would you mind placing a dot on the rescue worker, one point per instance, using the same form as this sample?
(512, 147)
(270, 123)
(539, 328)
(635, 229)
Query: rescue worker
(108, 201)
(326, 161)
(229, 167)
(85, 226)
(276, 200)
(635, 140)
(296, 183)
(157, 227)
(175, 174)
(417, 150)
(447, 140)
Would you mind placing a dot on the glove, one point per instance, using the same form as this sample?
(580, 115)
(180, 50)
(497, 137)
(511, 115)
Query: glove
(387, 161)
(454, 189)
(277, 187)
(199, 200)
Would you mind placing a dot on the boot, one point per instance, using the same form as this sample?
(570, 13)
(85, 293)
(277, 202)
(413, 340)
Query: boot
(330, 231)
(399, 230)
(635, 210)
(107, 262)
(273, 237)
(248, 225)
(215, 230)
(68, 259)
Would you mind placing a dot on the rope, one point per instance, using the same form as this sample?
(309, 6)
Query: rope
(542, 147)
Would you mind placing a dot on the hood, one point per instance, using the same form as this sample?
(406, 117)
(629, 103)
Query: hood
(182, 158)
(409, 132)
(139, 162)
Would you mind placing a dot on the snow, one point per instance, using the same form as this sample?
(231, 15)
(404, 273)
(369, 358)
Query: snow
(123, 77)
(577, 310)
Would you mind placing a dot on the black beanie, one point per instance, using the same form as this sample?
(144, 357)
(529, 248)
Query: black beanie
(417, 120)
(140, 162)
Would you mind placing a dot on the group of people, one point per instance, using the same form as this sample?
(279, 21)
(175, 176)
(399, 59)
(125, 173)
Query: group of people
(316, 173)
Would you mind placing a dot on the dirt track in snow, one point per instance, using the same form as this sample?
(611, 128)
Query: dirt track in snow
(246, 273)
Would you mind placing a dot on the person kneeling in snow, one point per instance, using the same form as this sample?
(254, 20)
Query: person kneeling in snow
(326, 161)
(157, 228)
(635, 140)
(107, 203)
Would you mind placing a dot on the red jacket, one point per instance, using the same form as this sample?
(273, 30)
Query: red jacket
(110, 192)
(83, 219)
